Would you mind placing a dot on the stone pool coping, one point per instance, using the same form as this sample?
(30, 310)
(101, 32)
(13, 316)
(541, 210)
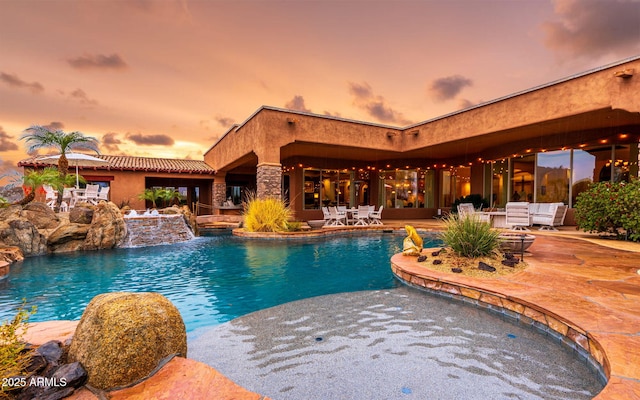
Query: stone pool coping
(569, 291)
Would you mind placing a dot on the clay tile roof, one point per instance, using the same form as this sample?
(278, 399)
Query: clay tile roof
(132, 163)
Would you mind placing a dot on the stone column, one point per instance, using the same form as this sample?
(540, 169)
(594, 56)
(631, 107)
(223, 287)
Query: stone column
(219, 191)
(269, 180)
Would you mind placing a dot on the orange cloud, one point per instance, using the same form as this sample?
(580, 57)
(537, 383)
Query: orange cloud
(13, 81)
(593, 28)
(98, 61)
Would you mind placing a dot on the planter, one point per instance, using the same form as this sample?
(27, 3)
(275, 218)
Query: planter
(513, 242)
(316, 223)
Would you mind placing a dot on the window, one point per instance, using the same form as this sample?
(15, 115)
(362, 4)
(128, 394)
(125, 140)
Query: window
(552, 177)
(522, 171)
(407, 188)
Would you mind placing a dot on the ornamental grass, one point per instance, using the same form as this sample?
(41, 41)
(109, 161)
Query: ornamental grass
(266, 215)
(470, 237)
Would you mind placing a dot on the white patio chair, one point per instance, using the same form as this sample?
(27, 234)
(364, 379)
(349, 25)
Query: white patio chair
(467, 210)
(517, 216)
(555, 217)
(91, 193)
(375, 217)
(51, 196)
(362, 216)
(103, 194)
(340, 217)
(326, 216)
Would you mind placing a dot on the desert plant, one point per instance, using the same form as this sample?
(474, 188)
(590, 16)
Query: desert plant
(3, 202)
(167, 195)
(268, 214)
(470, 237)
(13, 358)
(610, 208)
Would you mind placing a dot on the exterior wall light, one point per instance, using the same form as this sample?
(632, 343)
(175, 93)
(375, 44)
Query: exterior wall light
(624, 74)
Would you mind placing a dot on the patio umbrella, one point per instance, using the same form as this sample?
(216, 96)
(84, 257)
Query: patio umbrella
(76, 159)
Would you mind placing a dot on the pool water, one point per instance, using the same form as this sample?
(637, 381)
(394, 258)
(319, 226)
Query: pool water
(211, 280)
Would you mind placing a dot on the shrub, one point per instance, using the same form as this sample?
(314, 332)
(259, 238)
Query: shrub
(13, 358)
(470, 237)
(610, 208)
(266, 215)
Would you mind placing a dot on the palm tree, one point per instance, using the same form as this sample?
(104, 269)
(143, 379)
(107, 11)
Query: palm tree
(38, 137)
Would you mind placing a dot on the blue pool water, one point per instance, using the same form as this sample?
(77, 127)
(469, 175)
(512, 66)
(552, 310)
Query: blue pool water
(210, 279)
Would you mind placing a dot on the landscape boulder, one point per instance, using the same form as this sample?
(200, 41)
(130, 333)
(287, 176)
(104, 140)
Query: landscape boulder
(40, 215)
(16, 230)
(108, 228)
(81, 214)
(67, 237)
(122, 337)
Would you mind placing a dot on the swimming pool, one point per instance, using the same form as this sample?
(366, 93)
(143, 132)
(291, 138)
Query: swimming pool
(210, 279)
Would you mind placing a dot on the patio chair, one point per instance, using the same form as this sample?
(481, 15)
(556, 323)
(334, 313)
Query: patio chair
(103, 194)
(339, 217)
(326, 216)
(375, 217)
(467, 210)
(91, 193)
(51, 196)
(555, 217)
(517, 216)
(362, 216)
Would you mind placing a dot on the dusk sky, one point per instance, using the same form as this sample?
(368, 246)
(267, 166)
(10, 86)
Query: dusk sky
(167, 78)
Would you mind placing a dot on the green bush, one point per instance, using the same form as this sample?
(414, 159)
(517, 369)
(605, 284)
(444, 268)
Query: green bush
(610, 208)
(13, 358)
(470, 237)
(266, 215)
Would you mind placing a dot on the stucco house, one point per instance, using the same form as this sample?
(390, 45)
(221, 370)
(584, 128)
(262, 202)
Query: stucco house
(129, 176)
(545, 144)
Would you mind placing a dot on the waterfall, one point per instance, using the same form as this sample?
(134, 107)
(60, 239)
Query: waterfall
(153, 230)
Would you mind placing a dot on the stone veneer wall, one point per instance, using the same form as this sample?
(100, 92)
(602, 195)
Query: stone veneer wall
(219, 193)
(156, 230)
(269, 180)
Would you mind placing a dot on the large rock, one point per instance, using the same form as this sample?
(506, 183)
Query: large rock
(15, 230)
(67, 237)
(40, 215)
(108, 229)
(81, 214)
(122, 337)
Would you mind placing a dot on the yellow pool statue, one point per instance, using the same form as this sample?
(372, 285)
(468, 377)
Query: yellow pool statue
(412, 244)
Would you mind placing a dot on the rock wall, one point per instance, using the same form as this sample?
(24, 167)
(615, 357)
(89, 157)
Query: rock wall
(156, 230)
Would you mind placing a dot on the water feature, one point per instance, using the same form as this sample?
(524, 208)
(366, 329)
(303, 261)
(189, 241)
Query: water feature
(151, 228)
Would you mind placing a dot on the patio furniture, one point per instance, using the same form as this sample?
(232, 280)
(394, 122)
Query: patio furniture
(338, 217)
(51, 196)
(468, 210)
(361, 216)
(326, 215)
(551, 217)
(517, 216)
(89, 194)
(375, 217)
(103, 194)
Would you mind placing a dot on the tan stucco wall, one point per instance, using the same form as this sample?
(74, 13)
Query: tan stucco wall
(127, 185)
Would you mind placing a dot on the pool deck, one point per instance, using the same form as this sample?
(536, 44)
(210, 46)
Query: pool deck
(584, 289)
